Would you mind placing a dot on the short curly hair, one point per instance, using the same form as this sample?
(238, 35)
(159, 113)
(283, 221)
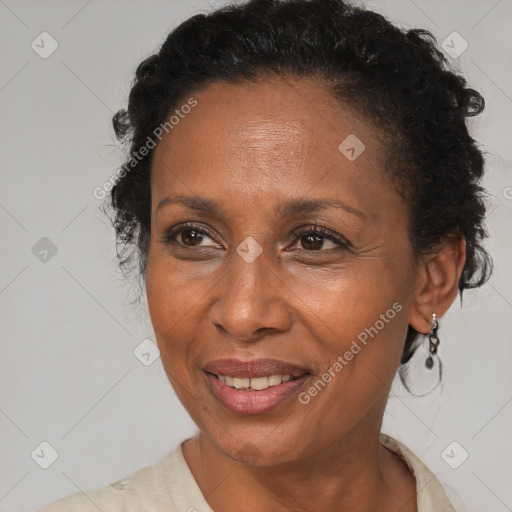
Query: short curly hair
(396, 78)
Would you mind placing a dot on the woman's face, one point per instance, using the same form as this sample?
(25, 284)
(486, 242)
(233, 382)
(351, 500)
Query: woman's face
(253, 170)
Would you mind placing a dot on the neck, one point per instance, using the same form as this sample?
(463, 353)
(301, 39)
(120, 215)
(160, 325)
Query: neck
(354, 473)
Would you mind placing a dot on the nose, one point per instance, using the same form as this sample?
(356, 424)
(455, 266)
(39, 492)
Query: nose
(250, 301)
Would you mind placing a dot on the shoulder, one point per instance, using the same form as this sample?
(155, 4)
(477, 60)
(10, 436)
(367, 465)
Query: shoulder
(145, 490)
(431, 495)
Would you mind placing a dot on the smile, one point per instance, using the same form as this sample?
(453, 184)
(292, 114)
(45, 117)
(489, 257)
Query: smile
(257, 395)
(255, 383)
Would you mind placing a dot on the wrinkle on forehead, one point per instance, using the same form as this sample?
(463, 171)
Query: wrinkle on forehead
(268, 133)
(267, 137)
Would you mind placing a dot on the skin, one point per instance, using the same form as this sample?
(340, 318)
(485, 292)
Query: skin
(251, 148)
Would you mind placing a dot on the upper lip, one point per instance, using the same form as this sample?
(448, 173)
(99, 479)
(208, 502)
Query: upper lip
(262, 367)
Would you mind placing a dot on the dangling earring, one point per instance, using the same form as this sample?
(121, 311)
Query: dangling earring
(433, 342)
(424, 367)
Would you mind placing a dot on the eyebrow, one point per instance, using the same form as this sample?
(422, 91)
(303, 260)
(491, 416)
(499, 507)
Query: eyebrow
(200, 204)
(288, 209)
(297, 206)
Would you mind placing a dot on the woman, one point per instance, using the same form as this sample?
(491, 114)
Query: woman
(302, 197)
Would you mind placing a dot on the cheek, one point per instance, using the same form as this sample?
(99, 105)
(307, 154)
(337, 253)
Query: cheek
(172, 297)
(351, 297)
(359, 314)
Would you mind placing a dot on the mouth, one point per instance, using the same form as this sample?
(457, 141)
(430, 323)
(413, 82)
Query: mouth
(254, 383)
(254, 387)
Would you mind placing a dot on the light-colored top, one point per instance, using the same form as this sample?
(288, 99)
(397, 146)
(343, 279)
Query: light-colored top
(169, 486)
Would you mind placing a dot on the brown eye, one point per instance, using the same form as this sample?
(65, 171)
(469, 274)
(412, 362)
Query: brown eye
(191, 236)
(312, 242)
(315, 237)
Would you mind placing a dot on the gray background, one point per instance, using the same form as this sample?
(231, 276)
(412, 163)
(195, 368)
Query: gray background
(69, 374)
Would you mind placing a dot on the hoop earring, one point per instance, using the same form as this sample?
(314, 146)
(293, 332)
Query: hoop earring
(433, 342)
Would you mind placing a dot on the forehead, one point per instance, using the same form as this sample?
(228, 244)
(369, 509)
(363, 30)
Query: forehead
(277, 139)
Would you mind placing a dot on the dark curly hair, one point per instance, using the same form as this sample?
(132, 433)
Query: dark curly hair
(397, 79)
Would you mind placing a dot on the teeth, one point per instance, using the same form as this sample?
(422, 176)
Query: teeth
(256, 383)
(259, 383)
(240, 383)
(274, 380)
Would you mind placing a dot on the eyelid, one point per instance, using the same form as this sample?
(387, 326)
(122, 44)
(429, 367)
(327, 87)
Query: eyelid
(325, 232)
(171, 233)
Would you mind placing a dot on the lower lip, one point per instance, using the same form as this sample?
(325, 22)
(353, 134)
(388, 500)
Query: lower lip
(245, 403)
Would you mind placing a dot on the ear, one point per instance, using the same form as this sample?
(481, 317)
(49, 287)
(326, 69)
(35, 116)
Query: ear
(437, 282)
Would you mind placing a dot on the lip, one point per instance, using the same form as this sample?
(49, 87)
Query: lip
(252, 402)
(247, 403)
(262, 367)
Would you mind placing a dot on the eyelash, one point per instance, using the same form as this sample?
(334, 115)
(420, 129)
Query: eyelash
(314, 229)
